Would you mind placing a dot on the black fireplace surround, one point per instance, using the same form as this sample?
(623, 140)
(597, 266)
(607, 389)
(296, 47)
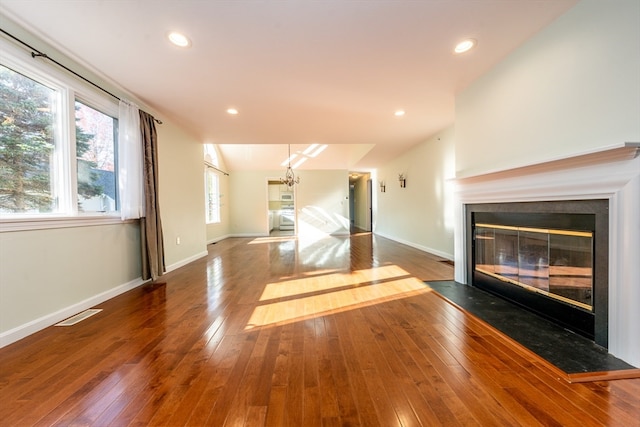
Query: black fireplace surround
(501, 227)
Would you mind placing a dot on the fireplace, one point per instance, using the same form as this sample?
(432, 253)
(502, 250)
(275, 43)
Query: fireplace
(548, 257)
(609, 176)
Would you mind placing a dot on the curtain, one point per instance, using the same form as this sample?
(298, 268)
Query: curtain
(130, 177)
(150, 225)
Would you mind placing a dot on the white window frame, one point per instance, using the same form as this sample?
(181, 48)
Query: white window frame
(64, 181)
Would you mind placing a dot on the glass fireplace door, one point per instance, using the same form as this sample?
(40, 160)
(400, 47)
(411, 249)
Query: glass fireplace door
(556, 263)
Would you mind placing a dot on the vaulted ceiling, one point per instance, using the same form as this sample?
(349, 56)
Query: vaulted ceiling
(299, 72)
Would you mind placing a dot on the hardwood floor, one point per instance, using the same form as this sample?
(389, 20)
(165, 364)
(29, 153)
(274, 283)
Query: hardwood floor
(281, 332)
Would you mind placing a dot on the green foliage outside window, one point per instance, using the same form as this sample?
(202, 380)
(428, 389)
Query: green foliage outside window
(26, 143)
(28, 119)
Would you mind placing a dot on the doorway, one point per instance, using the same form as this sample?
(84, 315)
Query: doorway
(282, 213)
(360, 202)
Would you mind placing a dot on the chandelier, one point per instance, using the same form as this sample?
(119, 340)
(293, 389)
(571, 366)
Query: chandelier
(289, 178)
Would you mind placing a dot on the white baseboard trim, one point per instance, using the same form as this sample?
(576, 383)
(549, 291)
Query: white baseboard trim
(218, 239)
(19, 332)
(417, 246)
(186, 261)
(249, 235)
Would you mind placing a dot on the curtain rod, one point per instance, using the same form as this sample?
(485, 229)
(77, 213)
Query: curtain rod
(209, 165)
(37, 54)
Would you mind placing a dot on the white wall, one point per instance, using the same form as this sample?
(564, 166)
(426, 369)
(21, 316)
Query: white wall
(182, 202)
(572, 88)
(249, 202)
(421, 214)
(321, 202)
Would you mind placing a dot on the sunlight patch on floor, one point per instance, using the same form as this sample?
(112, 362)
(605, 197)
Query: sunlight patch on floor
(308, 285)
(360, 292)
(274, 239)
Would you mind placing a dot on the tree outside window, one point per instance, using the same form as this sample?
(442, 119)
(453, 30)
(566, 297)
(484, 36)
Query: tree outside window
(27, 121)
(32, 164)
(95, 141)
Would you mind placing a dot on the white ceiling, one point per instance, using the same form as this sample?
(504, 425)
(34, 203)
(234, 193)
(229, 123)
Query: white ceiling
(299, 72)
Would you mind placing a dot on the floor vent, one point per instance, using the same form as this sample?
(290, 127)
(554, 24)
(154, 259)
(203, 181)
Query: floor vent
(79, 317)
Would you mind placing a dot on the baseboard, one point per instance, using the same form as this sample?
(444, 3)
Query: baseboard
(249, 235)
(419, 247)
(218, 239)
(186, 261)
(19, 332)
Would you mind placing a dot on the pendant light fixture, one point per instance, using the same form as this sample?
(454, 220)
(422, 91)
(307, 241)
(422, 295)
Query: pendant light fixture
(289, 178)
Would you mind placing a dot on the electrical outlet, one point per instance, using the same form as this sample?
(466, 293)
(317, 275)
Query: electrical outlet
(177, 240)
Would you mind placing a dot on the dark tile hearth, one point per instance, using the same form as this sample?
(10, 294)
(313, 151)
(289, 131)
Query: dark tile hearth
(568, 351)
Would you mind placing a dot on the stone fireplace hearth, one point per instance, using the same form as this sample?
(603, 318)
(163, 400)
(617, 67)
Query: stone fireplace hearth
(609, 177)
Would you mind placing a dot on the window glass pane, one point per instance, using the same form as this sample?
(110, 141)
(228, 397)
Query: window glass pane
(213, 196)
(95, 151)
(27, 144)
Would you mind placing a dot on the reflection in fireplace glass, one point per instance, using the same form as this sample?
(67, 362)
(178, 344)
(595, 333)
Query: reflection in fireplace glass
(556, 263)
(533, 259)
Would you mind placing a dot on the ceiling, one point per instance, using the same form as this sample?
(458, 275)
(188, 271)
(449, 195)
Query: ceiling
(299, 72)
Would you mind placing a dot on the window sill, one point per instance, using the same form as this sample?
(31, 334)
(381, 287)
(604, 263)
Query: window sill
(25, 224)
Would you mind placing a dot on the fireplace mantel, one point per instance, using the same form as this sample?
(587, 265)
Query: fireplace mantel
(611, 173)
(624, 151)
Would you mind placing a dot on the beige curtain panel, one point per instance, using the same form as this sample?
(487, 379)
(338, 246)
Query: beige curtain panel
(151, 240)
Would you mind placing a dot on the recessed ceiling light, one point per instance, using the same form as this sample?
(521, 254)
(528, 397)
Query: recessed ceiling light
(399, 113)
(464, 45)
(179, 39)
(232, 111)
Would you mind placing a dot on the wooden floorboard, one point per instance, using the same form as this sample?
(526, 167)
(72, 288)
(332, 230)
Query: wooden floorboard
(280, 332)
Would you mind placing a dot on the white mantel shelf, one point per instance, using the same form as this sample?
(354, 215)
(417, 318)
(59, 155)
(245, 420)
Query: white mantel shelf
(612, 153)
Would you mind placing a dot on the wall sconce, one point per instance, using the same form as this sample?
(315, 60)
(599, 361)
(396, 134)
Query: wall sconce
(383, 187)
(403, 180)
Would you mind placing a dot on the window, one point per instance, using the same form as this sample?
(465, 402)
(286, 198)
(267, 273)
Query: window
(212, 189)
(28, 119)
(95, 146)
(211, 184)
(211, 155)
(58, 140)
